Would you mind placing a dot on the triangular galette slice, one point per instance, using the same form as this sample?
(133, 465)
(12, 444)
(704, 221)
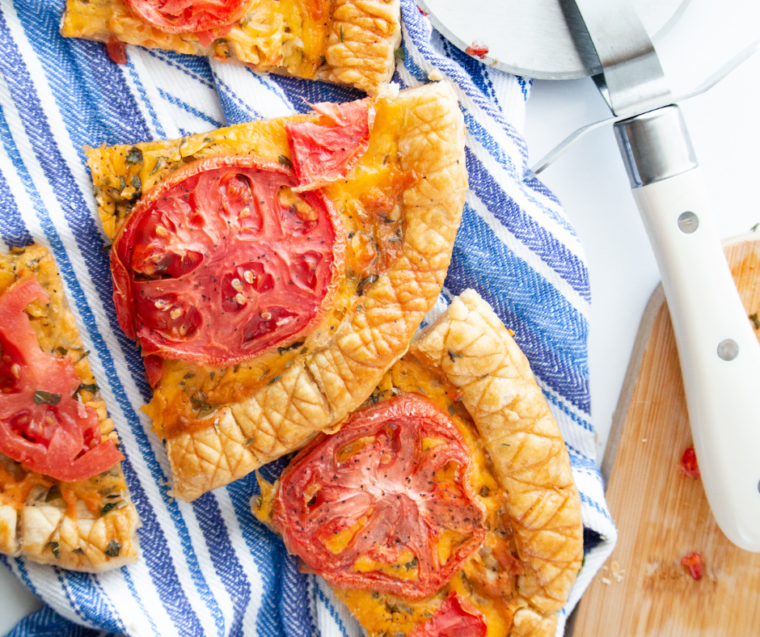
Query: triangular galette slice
(446, 505)
(273, 271)
(63, 497)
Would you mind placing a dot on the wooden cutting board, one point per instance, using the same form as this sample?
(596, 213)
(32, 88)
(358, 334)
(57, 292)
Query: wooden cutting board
(662, 516)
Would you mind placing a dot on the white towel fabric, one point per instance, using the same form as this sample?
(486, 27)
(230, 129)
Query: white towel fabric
(208, 568)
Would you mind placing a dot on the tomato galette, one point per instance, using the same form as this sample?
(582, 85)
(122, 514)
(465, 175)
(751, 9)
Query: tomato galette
(273, 271)
(446, 504)
(63, 498)
(344, 41)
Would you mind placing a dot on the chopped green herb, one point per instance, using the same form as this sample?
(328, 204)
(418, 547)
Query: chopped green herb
(39, 496)
(482, 377)
(285, 161)
(109, 506)
(369, 280)
(250, 441)
(274, 380)
(505, 444)
(78, 551)
(158, 165)
(54, 493)
(375, 399)
(106, 248)
(755, 227)
(341, 33)
(61, 350)
(113, 549)
(46, 398)
(295, 345)
(400, 53)
(209, 140)
(90, 387)
(136, 184)
(485, 492)
(188, 375)
(245, 21)
(454, 355)
(200, 404)
(755, 320)
(134, 156)
(56, 548)
(411, 565)
(451, 409)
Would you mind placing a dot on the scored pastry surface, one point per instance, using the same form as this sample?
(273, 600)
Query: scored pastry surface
(415, 161)
(479, 356)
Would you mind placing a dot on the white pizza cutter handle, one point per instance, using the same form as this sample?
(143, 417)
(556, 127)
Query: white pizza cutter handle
(717, 345)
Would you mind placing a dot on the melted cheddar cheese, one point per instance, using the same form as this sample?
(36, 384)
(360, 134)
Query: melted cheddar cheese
(189, 395)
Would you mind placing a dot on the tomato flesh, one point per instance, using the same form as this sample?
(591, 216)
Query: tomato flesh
(117, 51)
(694, 565)
(689, 466)
(393, 481)
(223, 261)
(183, 16)
(324, 151)
(41, 425)
(455, 618)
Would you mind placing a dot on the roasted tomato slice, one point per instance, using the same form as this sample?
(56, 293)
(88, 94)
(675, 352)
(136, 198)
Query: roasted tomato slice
(223, 261)
(41, 425)
(385, 503)
(183, 16)
(324, 151)
(455, 618)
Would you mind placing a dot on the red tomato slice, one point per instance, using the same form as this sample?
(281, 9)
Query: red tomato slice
(390, 482)
(41, 425)
(223, 261)
(455, 618)
(183, 16)
(324, 152)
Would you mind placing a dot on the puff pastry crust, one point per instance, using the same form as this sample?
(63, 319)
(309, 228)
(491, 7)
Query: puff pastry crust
(467, 363)
(276, 402)
(85, 526)
(347, 41)
(479, 356)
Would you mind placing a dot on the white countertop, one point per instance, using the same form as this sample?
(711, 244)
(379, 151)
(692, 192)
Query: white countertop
(590, 181)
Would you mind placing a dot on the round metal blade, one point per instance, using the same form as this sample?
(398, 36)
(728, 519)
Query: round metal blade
(543, 39)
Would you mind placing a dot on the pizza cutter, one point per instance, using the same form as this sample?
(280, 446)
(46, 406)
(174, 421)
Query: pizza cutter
(719, 353)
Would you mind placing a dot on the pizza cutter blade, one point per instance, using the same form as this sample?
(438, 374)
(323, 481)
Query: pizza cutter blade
(718, 350)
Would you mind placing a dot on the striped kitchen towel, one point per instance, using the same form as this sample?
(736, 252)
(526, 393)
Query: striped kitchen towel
(208, 568)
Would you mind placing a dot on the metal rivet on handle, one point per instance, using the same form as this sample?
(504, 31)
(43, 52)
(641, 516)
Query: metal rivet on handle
(688, 222)
(728, 349)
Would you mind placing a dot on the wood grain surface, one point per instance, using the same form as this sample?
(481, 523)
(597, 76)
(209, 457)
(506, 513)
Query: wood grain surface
(662, 515)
